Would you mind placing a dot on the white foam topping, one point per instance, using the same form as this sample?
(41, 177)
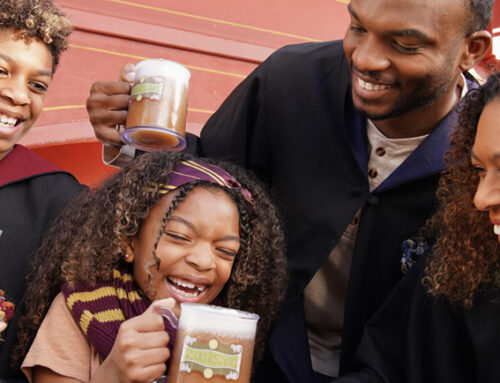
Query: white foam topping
(162, 67)
(219, 320)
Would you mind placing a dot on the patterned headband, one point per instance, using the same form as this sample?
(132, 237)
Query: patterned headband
(188, 171)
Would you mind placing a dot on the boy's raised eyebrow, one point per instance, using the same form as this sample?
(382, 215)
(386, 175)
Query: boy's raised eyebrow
(6, 58)
(40, 72)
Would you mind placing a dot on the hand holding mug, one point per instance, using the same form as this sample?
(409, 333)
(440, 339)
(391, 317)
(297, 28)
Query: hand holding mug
(140, 350)
(107, 105)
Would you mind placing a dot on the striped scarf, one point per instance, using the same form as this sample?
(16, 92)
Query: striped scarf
(99, 310)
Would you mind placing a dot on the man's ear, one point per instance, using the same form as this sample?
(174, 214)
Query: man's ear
(477, 46)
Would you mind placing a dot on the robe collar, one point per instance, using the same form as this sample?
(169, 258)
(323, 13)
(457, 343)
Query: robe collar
(21, 163)
(426, 159)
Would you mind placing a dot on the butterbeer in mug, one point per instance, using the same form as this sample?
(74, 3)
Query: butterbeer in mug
(213, 344)
(156, 118)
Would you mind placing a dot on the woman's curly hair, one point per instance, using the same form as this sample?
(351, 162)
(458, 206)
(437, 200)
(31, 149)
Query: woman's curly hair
(37, 19)
(465, 258)
(89, 238)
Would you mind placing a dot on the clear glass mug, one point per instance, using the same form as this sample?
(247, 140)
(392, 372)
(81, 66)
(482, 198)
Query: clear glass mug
(156, 118)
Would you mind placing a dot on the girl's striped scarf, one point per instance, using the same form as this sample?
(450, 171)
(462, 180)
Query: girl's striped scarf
(99, 310)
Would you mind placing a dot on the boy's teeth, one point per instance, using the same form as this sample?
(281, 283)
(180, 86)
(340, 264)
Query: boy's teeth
(496, 229)
(8, 120)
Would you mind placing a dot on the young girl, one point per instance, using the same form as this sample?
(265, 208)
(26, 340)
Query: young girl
(167, 226)
(33, 33)
(442, 322)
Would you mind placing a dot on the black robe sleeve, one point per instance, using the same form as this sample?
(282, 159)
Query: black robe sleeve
(238, 130)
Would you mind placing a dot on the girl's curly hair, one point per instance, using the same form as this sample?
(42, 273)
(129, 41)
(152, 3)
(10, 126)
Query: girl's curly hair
(88, 239)
(465, 257)
(37, 19)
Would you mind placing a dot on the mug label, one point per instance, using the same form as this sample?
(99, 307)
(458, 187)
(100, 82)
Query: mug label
(149, 87)
(211, 358)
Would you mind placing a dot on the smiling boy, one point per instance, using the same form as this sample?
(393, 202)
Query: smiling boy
(33, 33)
(25, 76)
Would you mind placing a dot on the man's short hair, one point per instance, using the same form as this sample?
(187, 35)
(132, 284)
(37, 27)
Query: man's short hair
(480, 15)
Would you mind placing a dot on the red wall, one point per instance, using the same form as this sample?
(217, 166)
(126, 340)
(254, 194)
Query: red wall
(220, 41)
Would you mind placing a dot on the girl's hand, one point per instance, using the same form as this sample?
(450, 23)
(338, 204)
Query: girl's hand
(3, 326)
(140, 350)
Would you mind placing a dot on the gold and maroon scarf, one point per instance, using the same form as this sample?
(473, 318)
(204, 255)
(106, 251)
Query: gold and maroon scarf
(99, 310)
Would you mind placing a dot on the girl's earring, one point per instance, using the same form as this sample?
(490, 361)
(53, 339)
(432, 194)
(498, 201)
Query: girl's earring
(126, 256)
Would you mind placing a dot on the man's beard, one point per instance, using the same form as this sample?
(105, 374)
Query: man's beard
(425, 93)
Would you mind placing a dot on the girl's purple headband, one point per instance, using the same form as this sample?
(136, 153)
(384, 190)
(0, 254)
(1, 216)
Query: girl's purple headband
(190, 170)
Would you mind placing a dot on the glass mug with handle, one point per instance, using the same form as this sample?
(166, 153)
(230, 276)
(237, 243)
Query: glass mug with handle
(156, 118)
(213, 344)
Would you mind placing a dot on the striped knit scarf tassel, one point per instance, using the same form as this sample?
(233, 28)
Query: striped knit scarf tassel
(99, 310)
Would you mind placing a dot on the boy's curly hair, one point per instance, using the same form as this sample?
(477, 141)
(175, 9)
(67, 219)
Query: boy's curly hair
(40, 19)
(466, 257)
(88, 239)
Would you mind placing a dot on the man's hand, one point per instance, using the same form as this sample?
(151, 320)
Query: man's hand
(107, 105)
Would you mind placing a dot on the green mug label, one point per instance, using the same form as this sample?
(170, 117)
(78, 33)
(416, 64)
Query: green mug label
(211, 358)
(148, 87)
